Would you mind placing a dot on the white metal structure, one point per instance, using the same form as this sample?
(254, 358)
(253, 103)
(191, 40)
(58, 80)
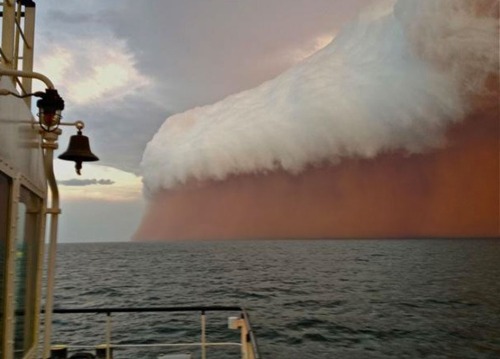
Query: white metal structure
(23, 189)
(29, 198)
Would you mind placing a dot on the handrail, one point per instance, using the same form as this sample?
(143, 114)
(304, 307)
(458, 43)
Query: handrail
(253, 340)
(213, 308)
(29, 74)
(250, 335)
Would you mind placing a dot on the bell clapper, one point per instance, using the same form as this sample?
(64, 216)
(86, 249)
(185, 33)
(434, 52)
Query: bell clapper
(78, 168)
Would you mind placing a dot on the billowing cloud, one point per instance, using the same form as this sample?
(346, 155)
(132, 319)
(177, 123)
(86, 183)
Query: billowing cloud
(112, 69)
(393, 80)
(85, 182)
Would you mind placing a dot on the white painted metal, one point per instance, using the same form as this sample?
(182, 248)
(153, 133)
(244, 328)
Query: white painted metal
(246, 346)
(31, 75)
(19, 137)
(20, 153)
(29, 45)
(8, 21)
(108, 336)
(17, 34)
(203, 336)
(232, 322)
(50, 144)
(20, 159)
(238, 323)
(8, 343)
(39, 279)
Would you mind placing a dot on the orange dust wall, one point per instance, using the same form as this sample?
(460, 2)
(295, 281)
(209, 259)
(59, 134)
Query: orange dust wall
(450, 192)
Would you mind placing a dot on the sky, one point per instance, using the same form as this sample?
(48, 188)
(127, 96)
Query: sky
(123, 69)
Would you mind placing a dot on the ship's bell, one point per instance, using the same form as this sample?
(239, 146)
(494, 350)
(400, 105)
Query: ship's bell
(79, 151)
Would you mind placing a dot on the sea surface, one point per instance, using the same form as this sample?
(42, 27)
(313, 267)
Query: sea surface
(307, 299)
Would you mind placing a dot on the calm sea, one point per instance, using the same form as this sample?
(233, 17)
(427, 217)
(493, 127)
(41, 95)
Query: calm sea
(307, 299)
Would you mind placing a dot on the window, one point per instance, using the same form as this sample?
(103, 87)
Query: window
(26, 263)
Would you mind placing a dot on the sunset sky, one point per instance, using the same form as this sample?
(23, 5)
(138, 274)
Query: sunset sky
(123, 69)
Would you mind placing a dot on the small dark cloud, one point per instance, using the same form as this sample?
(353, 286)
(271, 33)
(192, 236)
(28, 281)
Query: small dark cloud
(85, 182)
(70, 18)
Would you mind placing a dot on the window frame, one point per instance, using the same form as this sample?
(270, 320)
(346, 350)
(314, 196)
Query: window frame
(17, 182)
(30, 210)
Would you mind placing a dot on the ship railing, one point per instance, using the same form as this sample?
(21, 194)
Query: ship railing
(248, 343)
(17, 40)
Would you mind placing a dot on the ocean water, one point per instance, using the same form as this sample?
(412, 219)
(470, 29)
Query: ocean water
(307, 299)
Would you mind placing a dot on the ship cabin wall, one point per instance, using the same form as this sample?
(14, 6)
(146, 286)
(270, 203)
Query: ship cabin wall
(22, 203)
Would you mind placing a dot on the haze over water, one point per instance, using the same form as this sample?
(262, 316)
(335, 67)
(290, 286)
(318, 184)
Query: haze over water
(307, 299)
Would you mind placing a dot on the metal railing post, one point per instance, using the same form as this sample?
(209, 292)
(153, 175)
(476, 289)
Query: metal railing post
(203, 336)
(243, 340)
(108, 335)
(247, 344)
